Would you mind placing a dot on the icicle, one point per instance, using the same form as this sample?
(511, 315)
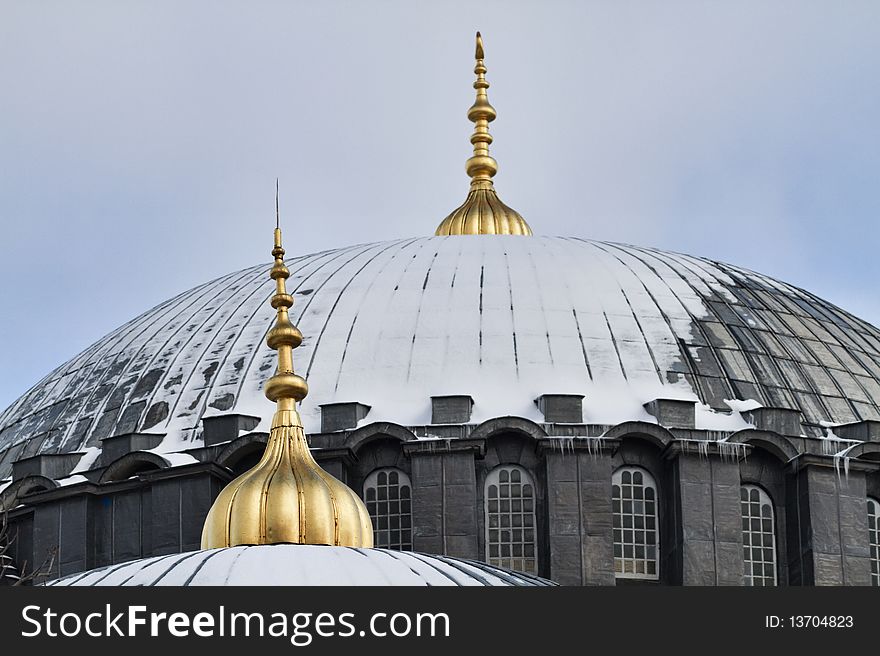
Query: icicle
(703, 448)
(716, 435)
(435, 440)
(830, 446)
(732, 451)
(563, 444)
(842, 455)
(566, 443)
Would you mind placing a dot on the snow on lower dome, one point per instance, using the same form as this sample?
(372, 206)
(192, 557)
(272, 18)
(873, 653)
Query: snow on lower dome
(502, 319)
(297, 564)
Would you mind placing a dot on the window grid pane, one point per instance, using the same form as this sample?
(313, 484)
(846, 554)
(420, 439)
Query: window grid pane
(636, 529)
(510, 520)
(387, 493)
(759, 537)
(874, 539)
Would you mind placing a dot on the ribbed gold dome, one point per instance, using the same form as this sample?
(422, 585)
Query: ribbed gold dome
(482, 212)
(287, 496)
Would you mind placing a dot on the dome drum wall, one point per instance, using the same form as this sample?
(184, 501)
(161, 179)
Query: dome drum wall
(451, 467)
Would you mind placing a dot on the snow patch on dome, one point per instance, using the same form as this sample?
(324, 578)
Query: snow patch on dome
(743, 406)
(71, 480)
(89, 457)
(706, 418)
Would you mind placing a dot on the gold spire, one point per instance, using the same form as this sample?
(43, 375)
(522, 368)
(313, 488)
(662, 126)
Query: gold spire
(482, 213)
(286, 496)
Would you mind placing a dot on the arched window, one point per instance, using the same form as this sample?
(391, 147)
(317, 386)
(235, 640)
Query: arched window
(636, 530)
(388, 495)
(874, 538)
(510, 519)
(759, 536)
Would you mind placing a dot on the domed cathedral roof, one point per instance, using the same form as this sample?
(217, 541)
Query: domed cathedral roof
(482, 309)
(299, 564)
(502, 319)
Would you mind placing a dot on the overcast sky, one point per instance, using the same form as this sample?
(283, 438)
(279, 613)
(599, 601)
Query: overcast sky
(140, 141)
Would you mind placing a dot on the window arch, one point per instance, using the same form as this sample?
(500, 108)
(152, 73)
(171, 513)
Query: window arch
(388, 495)
(874, 538)
(759, 536)
(510, 519)
(635, 523)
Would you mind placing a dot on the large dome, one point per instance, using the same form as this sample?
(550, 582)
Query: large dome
(301, 564)
(502, 319)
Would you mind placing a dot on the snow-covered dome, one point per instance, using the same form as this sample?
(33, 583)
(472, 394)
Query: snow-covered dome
(301, 564)
(503, 319)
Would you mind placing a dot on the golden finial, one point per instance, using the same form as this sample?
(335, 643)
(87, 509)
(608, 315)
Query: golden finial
(286, 497)
(482, 213)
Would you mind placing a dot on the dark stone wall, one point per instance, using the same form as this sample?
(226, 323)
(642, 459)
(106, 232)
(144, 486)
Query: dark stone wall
(86, 526)
(74, 533)
(820, 511)
(46, 539)
(578, 537)
(445, 502)
(706, 546)
(830, 528)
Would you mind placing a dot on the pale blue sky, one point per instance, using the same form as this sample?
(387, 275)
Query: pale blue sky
(140, 141)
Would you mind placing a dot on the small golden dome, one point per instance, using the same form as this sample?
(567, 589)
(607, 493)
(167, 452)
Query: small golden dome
(287, 496)
(482, 212)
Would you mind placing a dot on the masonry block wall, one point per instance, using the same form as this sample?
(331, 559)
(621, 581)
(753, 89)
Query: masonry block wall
(579, 517)
(827, 543)
(444, 501)
(819, 506)
(706, 544)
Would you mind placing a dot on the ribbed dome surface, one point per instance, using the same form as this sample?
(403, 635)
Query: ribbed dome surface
(501, 318)
(300, 564)
(483, 213)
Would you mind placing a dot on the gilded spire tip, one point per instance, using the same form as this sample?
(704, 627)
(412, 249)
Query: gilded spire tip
(285, 387)
(482, 213)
